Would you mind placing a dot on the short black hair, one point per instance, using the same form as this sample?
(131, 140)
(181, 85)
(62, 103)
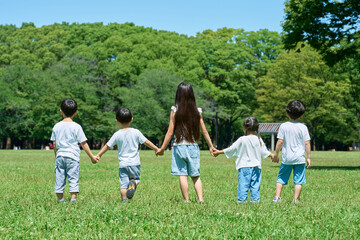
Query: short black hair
(295, 109)
(124, 115)
(68, 106)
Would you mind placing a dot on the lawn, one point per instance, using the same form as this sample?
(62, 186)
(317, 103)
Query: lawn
(329, 208)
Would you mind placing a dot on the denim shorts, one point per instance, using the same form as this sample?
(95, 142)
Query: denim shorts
(66, 167)
(285, 171)
(185, 160)
(249, 179)
(127, 173)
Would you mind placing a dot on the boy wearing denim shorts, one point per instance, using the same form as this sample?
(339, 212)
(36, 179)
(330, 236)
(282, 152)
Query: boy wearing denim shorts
(293, 138)
(66, 136)
(127, 140)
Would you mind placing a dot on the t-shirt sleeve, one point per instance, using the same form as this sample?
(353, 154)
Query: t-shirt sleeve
(112, 141)
(53, 136)
(306, 134)
(264, 151)
(81, 135)
(173, 108)
(280, 134)
(233, 149)
(200, 111)
(141, 137)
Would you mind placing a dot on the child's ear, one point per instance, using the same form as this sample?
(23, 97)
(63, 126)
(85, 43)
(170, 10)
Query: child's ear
(131, 120)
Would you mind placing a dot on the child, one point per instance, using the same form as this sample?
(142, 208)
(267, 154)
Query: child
(294, 140)
(66, 136)
(127, 140)
(249, 150)
(186, 121)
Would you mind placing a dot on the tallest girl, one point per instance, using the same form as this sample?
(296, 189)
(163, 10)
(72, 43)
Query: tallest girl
(186, 121)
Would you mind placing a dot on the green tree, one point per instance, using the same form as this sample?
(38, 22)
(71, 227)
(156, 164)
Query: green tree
(328, 26)
(306, 77)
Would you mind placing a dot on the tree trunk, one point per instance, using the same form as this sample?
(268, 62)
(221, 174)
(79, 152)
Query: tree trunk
(8, 143)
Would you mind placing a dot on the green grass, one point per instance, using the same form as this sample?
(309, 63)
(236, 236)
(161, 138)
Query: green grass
(329, 208)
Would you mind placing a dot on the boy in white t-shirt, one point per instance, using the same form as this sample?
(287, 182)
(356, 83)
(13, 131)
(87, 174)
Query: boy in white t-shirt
(66, 136)
(249, 150)
(127, 140)
(294, 140)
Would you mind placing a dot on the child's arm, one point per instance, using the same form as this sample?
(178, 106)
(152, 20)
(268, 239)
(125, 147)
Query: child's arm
(149, 144)
(277, 150)
(308, 150)
(207, 136)
(168, 135)
(102, 151)
(86, 148)
(216, 152)
(55, 149)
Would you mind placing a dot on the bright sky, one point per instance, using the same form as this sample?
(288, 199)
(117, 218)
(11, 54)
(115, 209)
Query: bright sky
(182, 16)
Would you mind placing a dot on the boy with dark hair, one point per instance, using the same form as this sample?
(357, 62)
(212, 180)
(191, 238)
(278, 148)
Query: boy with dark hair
(294, 140)
(127, 140)
(66, 136)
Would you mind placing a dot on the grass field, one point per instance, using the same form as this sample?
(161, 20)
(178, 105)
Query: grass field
(329, 208)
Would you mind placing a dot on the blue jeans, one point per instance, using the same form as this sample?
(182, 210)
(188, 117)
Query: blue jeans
(249, 178)
(66, 167)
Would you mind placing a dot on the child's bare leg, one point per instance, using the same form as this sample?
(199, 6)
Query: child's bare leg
(184, 188)
(73, 195)
(60, 195)
(198, 188)
(123, 193)
(297, 191)
(278, 189)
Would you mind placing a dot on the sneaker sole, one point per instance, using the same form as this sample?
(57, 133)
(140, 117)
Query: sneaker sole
(131, 189)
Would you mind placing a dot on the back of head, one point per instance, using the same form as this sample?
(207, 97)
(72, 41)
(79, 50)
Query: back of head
(295, 109)
(68, 107)
(187, 117)
(251, 124)
(124, 115)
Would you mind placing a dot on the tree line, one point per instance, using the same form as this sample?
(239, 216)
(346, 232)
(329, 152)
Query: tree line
(104, 67)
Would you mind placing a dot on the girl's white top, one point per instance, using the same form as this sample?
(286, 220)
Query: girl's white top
(248, 151)
(183, 142)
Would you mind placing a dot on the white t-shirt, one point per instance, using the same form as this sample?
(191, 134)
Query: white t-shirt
(183, 142)
(248, 151)
(127, 141)
(67, 136)
(294, 135)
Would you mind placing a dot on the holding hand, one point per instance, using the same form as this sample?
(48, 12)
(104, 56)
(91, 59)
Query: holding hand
(212, 150)
(275, 158)
(216, 152)
(94, 159)
(159, 152)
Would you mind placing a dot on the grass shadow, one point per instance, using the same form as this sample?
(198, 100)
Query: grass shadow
(356, 168)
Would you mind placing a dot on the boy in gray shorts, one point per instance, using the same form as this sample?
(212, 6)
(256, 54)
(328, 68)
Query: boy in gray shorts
(127, 140)
(66, 136)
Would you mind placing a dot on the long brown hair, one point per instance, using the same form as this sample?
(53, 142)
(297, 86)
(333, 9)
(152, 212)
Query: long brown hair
(187, 116)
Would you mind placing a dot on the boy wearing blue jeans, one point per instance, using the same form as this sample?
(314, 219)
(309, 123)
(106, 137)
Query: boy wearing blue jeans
(293, 138)
(66, 136)
(127, 140)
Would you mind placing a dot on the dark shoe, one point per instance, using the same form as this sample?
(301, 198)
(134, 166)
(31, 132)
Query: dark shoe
(131, 189)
